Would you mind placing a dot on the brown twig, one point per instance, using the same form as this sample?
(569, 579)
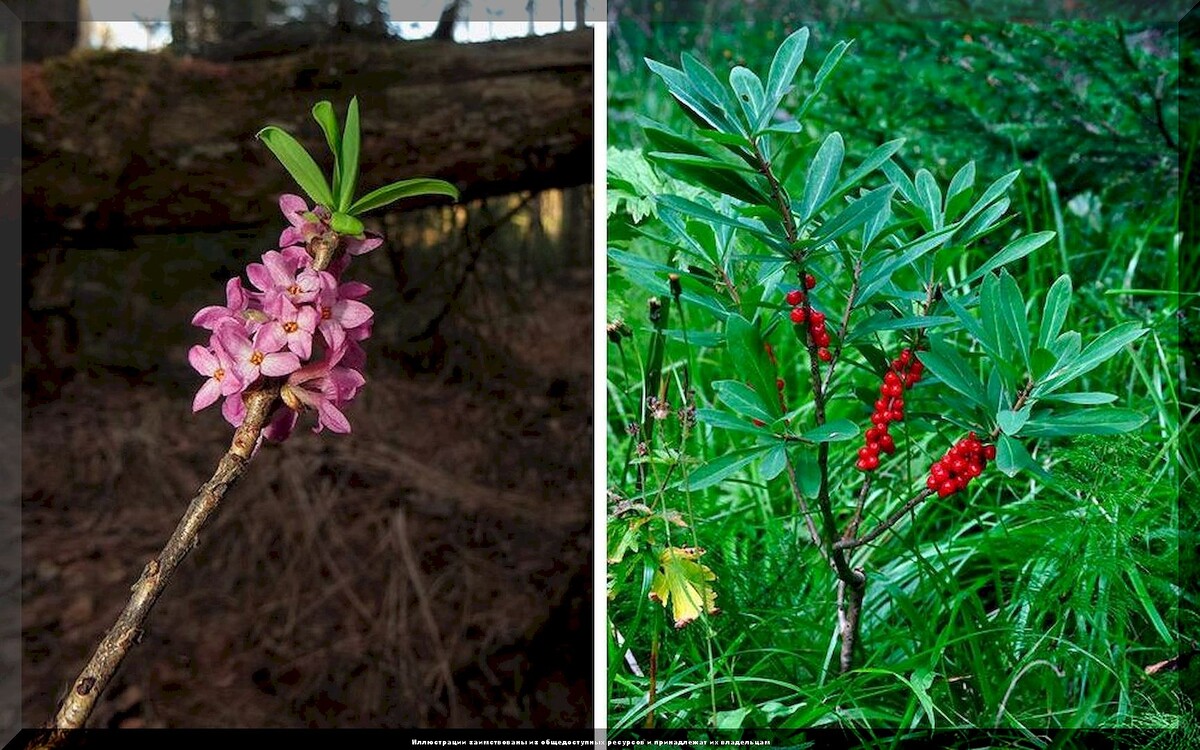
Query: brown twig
(127, 630)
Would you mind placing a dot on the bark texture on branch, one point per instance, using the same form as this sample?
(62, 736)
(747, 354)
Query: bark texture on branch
(129, 140)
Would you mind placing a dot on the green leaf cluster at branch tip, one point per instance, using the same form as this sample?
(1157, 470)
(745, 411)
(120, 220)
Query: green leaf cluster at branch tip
(337, 194)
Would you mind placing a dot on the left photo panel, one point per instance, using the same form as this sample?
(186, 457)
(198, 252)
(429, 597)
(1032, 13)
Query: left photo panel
(306, 366)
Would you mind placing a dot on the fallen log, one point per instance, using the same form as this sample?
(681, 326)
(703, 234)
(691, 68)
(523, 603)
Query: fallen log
(133, 141)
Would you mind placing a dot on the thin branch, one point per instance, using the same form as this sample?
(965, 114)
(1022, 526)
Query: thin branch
(127, 631)
(891, 521)
(845, 324)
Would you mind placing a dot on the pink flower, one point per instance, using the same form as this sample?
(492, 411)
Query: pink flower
(339, 314)
(276, 276)
(296, 325)
(322, 386)
(305, 224)
(216, 365)
(370, 241)
(236, 302)
(262, 355)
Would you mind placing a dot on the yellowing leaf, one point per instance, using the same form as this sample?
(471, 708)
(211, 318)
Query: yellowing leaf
(683, 583)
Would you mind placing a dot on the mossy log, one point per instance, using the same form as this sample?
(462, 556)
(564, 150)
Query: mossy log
(129, 141)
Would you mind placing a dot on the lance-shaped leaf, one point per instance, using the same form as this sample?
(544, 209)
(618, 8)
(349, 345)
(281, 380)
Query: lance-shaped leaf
(1102, 421)
(348, 167)
(749, 90)
(822, 174)
(1054, 313)
(298, 163)
(322, 112)
(1014, 250)
(832, 431)
(953, 370)
(402, 189)
(784, 66)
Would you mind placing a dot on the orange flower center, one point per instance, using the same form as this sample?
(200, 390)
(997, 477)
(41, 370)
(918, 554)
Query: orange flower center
(218, 374)
(291, 327)
(256, 358)
(326, 313)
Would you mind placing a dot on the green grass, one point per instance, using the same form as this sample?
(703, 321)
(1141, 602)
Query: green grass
(1019, 604)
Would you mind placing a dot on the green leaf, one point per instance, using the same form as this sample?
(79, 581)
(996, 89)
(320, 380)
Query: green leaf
(879, 271)
(1104, 421)
(785, 64)
(822, 174)
(1014, 250)
(832, 432)
(693, 102)
(1084, 398)
(721, 468)
(704, 162)
(929, 198)
(1012, 312)
(1011, 456)
(1011, 421)
(958, 195)
(348, 170)
(831, 62)
(742, 399)
(704, 213)
(953, 370)
(808, 473)
(322, 112)
(1102, 348)
(874, 160)
(774, 462)
(298, 163)
(749, 356)
(1054, 313)
(994, 191)
(749, 90)
(709, 86)
(402, 189)
(1041, 361)
(346, 224)
(727, 421)
(854, 215)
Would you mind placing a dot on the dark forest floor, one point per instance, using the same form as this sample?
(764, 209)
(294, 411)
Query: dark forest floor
(430, 569)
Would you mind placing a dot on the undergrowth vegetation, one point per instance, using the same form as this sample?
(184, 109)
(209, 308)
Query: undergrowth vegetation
(1000, 202)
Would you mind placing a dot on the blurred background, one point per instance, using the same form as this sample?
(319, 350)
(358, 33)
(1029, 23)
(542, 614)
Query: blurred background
(433, 568)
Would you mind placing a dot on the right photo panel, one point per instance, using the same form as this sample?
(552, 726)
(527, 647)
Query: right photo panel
(894, 373)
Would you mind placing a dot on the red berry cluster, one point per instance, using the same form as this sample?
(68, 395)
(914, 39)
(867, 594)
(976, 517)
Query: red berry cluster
(962, 463)
(814, 318)
(905, 371)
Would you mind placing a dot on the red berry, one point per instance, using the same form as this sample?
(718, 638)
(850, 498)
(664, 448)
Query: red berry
(957, 465)
(795, 297)
(932, 483)
(878, 419)
(809, 281)
(824, 354)
(938, 472)
(758, 422)
(780, 384)
(918, 368)
(946, 489)
(872, 462)
(894, 390)
(989, 452)
(887, 444)
(818, 317)
(905, 356)
(897, 403)
(797, 315)
(865, 452)
(881, 406)
(862, 464)
(874, 433)
(821, 338)
(891, 378)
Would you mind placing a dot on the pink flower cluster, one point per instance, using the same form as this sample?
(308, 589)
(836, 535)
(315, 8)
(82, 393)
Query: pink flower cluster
(296, 323)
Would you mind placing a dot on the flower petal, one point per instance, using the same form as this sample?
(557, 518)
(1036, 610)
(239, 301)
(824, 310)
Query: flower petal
(279, 364)
(203, 360)
(281, 425)
(207, 394)
(352, 313)
(329, 416)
